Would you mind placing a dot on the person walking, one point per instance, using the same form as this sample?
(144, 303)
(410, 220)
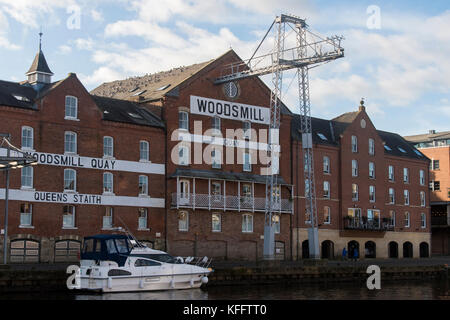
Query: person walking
(355, 254)
(344, 253)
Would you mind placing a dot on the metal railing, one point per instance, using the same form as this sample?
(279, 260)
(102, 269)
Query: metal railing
(232, 203)
(362, 223)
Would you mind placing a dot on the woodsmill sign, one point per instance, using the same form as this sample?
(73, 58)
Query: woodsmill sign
(229, 110)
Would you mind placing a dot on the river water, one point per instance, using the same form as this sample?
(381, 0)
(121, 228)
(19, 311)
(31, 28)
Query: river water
(415, 290)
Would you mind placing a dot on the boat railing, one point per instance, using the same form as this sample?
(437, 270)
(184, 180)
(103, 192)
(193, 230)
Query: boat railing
(203, 262)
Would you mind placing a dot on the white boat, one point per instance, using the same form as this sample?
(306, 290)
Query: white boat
(119, 263)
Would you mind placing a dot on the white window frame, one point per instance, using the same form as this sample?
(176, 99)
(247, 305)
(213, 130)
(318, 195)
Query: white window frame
(407, 219)
(247, 127)
(29, 216)
(327, 213)
(72, 226)
(183, 120)
(28, 138)
(108, 174)
(392, 215)
(276, 223)
(74, 142)
(326, 165)
(184, 159)
(142, 219)
(391, 196)
(143, 151)
(27, 178)
(372, 190)
(391, 173)
(354, 144)
(371, 147)
(355, 170)
(66, 171)
(423, 220)
(372, 171)
(423, 200)
(422, 177)
(70, 117)
(357, 192)
(406, 197)
(216, 126)
(216, 158)
(247, 223)
(216, 225)
(107, 147)
(247, 166)
(406, 175)
(107, 221)
(183, 225)
(145, 178)
(326, 190)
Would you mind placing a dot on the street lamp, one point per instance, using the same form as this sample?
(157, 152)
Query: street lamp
(20, 160)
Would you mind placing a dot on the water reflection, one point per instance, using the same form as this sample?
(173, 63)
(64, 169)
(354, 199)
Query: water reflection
(389, 291)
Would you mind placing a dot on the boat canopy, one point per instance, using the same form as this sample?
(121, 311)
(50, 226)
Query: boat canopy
(103, 247)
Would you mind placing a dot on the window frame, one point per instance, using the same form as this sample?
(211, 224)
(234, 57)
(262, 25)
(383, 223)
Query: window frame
(146, 185)
(73, 213)
(70, 117)
(105, 138)
(327, 213)
(22, 214)
(326, 165)
(355, 169)
(111, 215)
(372, 193)
(185, 227)
(29, 177)
(146, 152)
(26, 138)
(218, 222)
(74, 180)
(142, 218)
(75, 142)
(183, 121)
(371, 147)
(247, 222)
(354, 140)
(108, 174)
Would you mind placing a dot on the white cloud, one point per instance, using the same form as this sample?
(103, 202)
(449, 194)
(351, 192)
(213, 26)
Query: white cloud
(84, 44)
(100, 75)
(96, 15)
(4, 28)
(64, 49)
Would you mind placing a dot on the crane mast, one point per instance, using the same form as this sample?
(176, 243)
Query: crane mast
(311, 50)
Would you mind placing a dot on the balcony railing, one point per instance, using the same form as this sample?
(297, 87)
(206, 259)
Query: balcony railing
(232, 203)
(355, 223)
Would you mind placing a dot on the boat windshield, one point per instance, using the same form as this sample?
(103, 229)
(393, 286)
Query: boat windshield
(162, 258)
(122, 245)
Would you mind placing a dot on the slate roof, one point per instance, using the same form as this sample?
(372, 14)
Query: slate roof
(14, 94)
(430, 137)
(221, 175)
(331, 130)
(126, 112)
(39, 64)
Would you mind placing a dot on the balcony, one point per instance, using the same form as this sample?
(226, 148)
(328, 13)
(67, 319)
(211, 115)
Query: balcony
(228, 203)
(364, 224)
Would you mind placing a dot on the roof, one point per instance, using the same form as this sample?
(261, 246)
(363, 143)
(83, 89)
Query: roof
(39, 64)
(430, 137)
(222, 175)
(151, 86)
(126, 112)
(330, 130)
(14, 94)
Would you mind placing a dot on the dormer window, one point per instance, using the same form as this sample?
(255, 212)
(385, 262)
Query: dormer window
(71, 108)
(322, 136)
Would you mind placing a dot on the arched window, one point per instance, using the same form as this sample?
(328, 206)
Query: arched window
(183, 120)
(144, 151)
(183, 221)
(108, 182)
(108, 146)
(71, 110)
(70, 142)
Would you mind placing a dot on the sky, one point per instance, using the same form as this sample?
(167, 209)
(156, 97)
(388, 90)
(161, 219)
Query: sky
(396, 52)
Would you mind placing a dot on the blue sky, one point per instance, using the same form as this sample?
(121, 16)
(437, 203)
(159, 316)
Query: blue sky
(402, 69)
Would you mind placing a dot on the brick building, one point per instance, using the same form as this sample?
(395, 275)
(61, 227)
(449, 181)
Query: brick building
(101, 161)
(436, 146)
(181, 162)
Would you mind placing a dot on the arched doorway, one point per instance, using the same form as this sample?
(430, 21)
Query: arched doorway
(393, 249)
(327, 249)
(424, 250)
(353, 248)
(370, 250)
(24, 250)
(305, 249)
(407, 250)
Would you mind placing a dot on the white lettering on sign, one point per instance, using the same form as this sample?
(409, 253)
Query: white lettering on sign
(87, 199)
(66, 160)
(229, 110)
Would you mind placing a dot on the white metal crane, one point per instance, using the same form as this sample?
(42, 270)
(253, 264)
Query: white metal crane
(309, 50)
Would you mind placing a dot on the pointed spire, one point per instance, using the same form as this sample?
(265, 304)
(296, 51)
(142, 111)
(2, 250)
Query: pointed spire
(40, 40)
(39, 70)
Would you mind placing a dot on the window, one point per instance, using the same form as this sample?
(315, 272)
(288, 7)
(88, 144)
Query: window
(71, 107)
(247, 223)
(422, 199)
(327, 215)
(435, 186)
(184, 190)
(70, 142)
(69, 217)
(108, 218)
(322, 136)
(391, 173)
(435, 165)
(372, 194)
(183, 156)
(391, 195)
(276, 194)
(70, 180)
(401, 150)
(326, 165)
(216, 222)
(142, 218)
(247, 162)
(422, 177)
(146, 263)
(307, 216)
(392, 218)
(371, 170)
(247, 192)
(27, 138)
(354, 144)
(216, 191)
(143, 185)
(183, 221)
(26, 214)
(144, 151)
(326, 190)
(216, 158)
(108, 182)
(371, 147)
(276, 223)
(406, 196)
(215, 125)
(354, 168)
(355, 193)
(183, 120)
(407, 220)
(27, 177)
(405, 175)
(306, 162)
(247, 130)
(307, 188)
(108, 146)
(423, 220)
(387, 147)
(373, 216)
